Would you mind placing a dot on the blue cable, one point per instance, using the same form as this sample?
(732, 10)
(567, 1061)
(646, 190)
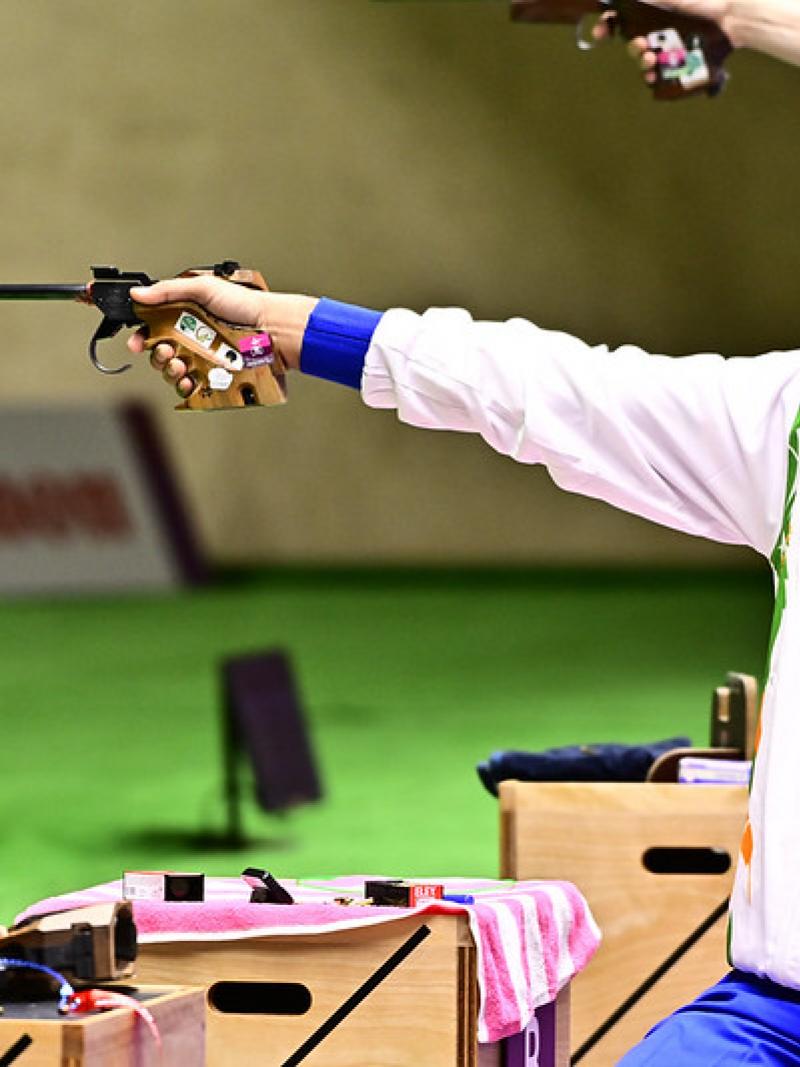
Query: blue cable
(65, 990)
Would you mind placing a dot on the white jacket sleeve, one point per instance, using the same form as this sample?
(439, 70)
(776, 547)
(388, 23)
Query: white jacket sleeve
(699, 443)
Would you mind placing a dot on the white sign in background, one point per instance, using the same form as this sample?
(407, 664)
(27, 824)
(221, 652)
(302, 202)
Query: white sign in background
(77, 510)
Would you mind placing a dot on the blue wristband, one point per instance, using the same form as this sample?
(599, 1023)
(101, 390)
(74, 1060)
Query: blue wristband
(336, 341)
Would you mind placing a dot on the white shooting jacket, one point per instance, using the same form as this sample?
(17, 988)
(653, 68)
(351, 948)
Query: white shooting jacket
(702, 444)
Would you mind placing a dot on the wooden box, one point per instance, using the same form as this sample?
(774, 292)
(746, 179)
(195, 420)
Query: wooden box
(268, 997)
(616, 842)
(115, 1038)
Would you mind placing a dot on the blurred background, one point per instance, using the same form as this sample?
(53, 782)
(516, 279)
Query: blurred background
(438, 600)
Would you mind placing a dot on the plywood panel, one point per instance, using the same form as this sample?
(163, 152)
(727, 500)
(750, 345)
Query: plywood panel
(595, 835)
(424, 1012)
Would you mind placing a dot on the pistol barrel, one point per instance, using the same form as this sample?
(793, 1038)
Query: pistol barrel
(44, 292)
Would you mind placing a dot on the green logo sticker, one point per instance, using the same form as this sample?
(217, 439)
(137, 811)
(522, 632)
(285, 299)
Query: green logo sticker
(194, 328)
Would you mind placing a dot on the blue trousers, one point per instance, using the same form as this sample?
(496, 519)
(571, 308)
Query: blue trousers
(742, 1021)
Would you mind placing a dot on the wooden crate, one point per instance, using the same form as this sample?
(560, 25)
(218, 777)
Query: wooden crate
(424, 1012)
(596, 835)
(115, 1038)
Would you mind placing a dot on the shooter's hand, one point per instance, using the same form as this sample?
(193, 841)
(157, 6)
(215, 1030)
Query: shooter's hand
(283, 316)
(645, 57)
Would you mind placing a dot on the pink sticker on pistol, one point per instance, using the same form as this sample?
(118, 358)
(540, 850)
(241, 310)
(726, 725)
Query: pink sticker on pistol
(256, 349)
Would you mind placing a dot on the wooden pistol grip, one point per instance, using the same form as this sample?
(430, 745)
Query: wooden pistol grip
(210, 350)
(639, 20)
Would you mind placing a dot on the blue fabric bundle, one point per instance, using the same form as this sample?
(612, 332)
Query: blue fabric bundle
(576, 763)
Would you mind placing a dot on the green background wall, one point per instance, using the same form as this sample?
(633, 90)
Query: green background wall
(409, 154)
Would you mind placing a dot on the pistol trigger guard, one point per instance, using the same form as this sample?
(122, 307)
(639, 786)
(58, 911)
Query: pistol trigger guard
(107, 328)
(583, 39)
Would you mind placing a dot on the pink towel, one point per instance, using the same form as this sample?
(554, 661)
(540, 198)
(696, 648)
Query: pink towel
(531, 937)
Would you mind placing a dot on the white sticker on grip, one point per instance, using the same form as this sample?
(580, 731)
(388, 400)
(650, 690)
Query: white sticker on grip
(219, 378)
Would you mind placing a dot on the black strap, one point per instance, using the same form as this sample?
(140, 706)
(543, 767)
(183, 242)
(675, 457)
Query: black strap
(649, 982)
(16, 1049)
(360, 994)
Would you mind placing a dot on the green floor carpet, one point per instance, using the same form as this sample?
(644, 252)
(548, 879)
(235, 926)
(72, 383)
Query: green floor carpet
(110, 710)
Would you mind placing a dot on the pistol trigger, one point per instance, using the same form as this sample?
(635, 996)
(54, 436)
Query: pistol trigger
(107, 328)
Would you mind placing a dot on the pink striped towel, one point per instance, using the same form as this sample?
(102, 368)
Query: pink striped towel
(531, 937)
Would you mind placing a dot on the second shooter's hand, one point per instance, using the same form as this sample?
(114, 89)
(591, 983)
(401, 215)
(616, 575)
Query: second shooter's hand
(717, 11)
(283, 316)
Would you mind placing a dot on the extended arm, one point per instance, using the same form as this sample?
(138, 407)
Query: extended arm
(698, 443)
(771, 26)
